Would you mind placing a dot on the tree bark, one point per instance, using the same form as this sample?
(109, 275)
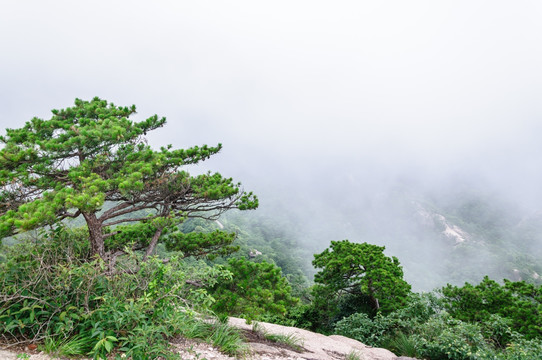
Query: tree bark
(97, 246)
(153, 243)
(377, 304)
(374, 299)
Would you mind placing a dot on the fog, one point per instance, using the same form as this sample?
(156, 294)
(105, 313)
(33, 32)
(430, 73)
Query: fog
(324, 109)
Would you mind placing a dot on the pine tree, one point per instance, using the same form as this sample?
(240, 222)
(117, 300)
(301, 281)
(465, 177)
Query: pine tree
(91, 160)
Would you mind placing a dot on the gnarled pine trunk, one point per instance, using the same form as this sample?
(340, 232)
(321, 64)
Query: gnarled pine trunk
(96, 237)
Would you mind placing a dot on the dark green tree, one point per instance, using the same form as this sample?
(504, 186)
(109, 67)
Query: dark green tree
(517, 301)
(91, 160)
(255, 289)
(357, 278)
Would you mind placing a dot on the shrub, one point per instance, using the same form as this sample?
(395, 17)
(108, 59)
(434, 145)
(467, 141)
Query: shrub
(423, 330)
(518, 301)
(443, 337)
(376, 331)
(51, 289)
(361, 327)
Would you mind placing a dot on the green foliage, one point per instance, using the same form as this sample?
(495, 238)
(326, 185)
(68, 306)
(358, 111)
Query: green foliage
(400, 343)
(373, 331)
(498, 331)
(361, 327)
(356, 276)
(218, 333)
(255, 232)
(51, 290)
(92, 153)
(202, 244)
(135, 236)
(350, 268)
(519, 302)
(299, 315)
(199, 244)
(255, 289)
(423, 329)
(447, 338)
(522, 349)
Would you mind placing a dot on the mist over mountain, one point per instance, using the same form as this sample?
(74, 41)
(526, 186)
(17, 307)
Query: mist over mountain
(449, 230)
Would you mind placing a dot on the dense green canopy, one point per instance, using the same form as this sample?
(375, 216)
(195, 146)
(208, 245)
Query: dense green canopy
(91, 160)
(518, 301)
(360, 270)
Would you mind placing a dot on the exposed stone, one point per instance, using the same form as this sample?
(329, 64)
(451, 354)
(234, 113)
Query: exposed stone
(253, 253)
(317, 346)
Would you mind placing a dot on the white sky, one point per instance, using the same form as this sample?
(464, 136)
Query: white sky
(293, 87)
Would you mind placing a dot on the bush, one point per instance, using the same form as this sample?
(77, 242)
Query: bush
(423, 330)
(443, 337)
(522, 349)
(51, 290)
(518, 301)
(402, 344)
(361, 327)
(299, 316)
(376, 331)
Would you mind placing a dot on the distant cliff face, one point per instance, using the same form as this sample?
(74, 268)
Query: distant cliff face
(438, 222)
(478, 236)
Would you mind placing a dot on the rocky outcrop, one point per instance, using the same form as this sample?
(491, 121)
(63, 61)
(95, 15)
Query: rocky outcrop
(438, 222)
(315, 346)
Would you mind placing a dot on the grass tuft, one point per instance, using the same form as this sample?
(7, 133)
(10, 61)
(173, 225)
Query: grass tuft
(291, 340)
(354, 355)
(402, 345)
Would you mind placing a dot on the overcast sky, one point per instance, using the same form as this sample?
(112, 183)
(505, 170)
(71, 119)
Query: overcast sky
(303, 89)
